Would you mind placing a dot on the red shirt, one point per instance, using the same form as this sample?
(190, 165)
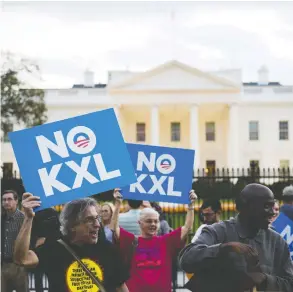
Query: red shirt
(151, 266)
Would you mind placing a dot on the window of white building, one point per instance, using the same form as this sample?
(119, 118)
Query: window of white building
(254, 164)
(284, 130)
(7, 169)
(284, 164)
(210, 131)
(5, 133)
(210, 167)
(175, 132)
(253, 130)
(140, 132)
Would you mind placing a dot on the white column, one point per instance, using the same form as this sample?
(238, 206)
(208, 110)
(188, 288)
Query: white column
(233, 137)
(155, 126)
(194, 134)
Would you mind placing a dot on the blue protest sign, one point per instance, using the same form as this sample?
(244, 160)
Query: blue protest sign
(163, 174)
(284, 226)
(73, 158)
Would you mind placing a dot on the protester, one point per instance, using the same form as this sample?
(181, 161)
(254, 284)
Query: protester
(287, 208)
(107, 210)
(276, 212)
(129, 220)
(13, 277)
(164, 225)
(210, 212)
(80, 227)
(45, 228)
(241, 253)
(151, 260)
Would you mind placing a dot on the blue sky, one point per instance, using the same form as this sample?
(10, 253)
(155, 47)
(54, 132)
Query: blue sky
(65, 38)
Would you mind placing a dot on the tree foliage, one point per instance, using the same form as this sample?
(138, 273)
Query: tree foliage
(19, 103)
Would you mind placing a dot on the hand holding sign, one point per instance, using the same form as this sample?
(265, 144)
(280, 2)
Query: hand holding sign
(29, 202)
(192, 198)
(117, 197)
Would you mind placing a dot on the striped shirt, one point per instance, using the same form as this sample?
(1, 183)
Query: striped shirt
(129, 221)
(12, 225)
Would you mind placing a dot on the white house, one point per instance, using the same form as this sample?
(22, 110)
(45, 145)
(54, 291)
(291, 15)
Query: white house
(229, 123)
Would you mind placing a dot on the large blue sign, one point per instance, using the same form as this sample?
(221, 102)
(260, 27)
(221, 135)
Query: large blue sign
(73, 158)
(163, 174)
(284, 226)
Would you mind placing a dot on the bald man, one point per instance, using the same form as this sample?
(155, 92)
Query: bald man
(241, 253)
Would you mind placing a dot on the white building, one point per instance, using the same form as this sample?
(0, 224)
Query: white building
(229, 123)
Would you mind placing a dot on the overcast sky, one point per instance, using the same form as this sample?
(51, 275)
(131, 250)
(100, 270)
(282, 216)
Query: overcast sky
(65, 38)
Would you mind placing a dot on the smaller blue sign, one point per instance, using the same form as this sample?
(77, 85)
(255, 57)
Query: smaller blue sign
(164, 174)
(73, 158)
(284, 226)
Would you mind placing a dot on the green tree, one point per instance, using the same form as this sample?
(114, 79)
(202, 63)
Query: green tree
(19, 103)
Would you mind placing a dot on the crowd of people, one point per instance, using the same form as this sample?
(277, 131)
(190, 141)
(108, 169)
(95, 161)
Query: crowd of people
(93, 247)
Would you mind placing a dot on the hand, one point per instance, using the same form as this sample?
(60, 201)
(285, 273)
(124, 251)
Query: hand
(40, 241)
(257, 278)
(192, 198)
(29, 202)
(250, 253)
(117, 196)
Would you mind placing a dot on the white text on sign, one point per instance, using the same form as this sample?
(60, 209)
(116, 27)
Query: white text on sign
(81, 140)
(165, 164)
(288, 236)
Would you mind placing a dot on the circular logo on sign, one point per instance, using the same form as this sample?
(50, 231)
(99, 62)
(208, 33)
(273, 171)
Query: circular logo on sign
(166, 163)
(78, 281)
(81, 140)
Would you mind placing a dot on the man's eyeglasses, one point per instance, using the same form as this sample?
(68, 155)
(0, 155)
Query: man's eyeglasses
(92, 220)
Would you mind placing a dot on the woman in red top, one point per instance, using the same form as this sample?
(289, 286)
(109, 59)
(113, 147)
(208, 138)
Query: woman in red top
(151, 259)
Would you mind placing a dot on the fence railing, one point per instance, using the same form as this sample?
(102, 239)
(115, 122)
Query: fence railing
(217, 183)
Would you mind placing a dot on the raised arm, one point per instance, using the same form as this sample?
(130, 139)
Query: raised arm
(114, 225)
(189, 216)
(22, 255)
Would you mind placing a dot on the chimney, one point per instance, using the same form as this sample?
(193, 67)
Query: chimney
(89, 79)
(263, 75)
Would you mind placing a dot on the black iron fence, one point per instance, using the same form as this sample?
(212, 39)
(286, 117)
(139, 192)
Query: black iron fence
(222, 184)
(217, 183)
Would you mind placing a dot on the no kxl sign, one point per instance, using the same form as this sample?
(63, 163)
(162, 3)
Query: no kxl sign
(73, 158)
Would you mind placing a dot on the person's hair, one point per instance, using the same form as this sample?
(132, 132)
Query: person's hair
(73, 212)
(213, 203)
(134, 204)
(15, 195)
(288, 194)
(146, 211)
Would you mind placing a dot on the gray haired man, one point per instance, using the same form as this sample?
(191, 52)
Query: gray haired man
(81, 230)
